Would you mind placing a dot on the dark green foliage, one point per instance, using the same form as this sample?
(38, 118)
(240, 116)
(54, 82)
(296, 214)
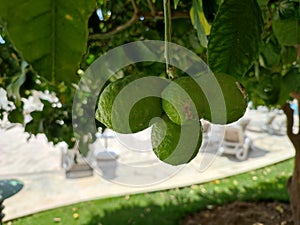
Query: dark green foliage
(53, 123)
(210, 8)
(235, 37)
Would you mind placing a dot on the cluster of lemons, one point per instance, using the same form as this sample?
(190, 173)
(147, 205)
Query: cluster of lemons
(173, 109)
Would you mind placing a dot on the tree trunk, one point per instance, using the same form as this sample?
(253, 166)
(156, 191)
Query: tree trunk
(293, 183)
(293, 186)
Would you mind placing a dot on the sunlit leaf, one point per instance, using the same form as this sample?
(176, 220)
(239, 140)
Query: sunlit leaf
(176, 3)
(199, 22)
(51, 35)
(235, 37)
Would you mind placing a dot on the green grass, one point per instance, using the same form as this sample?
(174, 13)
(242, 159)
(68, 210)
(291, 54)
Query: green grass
(171, 206)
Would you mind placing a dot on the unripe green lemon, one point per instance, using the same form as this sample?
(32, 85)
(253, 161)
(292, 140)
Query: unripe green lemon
(183, 100)
(128, 104)
(176, 144)
(234, 97)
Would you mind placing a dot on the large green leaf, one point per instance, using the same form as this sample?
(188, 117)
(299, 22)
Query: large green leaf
(235, 37)
(50, 34)
(287, 31)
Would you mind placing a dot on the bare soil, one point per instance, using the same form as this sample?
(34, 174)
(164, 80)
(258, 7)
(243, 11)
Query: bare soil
(243, 213)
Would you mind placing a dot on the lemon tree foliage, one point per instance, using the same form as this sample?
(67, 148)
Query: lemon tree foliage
(275, 73)
(245, 43)
(246, 40)
(254, 42)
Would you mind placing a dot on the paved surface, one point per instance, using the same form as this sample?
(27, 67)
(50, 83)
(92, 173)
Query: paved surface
(38, 164)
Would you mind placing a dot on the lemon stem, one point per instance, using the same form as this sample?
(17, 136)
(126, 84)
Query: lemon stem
(168, 34)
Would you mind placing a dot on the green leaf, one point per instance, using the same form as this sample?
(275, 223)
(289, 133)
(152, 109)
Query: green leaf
(271, 53)
(35, 126)
(289, 54)
(176, 3)
(287, 31)
(235, 37)
(51, 35)
(290, 83)
(268, 88)
(16, 116)
(199, 22)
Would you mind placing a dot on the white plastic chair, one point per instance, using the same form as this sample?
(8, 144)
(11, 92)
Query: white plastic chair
(235, 142)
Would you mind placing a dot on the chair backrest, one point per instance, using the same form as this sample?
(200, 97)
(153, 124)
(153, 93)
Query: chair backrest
(234, 134)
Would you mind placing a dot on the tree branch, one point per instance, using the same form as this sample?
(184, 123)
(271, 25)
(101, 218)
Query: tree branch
(159, 15)
(120, 28)
(152, 8)
(146, 15)
(289, 112)
(135, 8)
